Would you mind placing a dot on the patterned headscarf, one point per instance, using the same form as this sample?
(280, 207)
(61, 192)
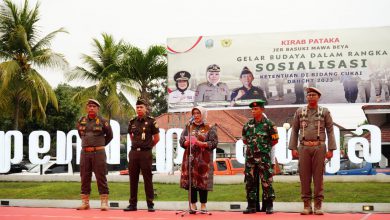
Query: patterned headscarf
(203, 112)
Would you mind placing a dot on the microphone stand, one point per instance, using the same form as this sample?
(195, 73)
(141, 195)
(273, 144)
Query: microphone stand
(190, 210)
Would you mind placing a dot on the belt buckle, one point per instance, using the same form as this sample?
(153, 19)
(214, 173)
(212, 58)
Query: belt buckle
(138, 149)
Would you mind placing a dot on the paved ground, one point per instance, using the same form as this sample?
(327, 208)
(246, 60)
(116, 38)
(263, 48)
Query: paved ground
(20, 213)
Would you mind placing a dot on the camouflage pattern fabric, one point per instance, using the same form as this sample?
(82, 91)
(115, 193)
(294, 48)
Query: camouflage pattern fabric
(259, 137)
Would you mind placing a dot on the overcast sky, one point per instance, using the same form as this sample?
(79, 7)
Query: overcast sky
(148, 22)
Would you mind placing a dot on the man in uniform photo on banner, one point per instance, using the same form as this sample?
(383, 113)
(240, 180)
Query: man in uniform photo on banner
(199, 139)
(144, 135)
(247, 91)
(95, 133)
(213, 89)
(259, 135)
(182, 93)
(307, 143)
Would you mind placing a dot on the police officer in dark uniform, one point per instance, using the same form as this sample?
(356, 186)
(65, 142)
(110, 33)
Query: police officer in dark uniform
(247, 91)
(95, 133)
(260, 135)
(144, 134)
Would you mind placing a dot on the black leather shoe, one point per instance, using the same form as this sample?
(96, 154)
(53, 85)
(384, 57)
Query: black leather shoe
(151, 209)
(130, 208)
(249, 211)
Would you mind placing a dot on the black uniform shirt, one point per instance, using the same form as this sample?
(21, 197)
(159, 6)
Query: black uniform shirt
(253, 93)
(146, 125)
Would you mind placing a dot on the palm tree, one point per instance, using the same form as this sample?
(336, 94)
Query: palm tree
(109, 82)
(21, 86)
(144, 68)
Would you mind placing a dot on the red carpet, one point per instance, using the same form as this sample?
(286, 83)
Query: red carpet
(20, 213)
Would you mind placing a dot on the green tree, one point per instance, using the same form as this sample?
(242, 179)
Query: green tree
(158, 94)
(22, 88)
(64, 119)
(109, 82)
(145, 68)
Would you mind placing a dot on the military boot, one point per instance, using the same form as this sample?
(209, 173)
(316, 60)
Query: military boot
(258, 207)
(251, 208)
(104, 202)
(269, 207)
(84, 202)
(263, 205)
(317, 207)
(307, 210)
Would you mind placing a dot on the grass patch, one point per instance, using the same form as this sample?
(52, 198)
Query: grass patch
(285, 192)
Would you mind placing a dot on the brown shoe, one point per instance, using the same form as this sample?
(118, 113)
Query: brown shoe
(104, 202)
(307, 209)
(84, 202)
(317, 207)
(318, 211)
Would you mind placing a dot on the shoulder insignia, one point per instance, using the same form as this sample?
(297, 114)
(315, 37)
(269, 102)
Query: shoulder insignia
(83, 120)
(106, 124)
(155, 124)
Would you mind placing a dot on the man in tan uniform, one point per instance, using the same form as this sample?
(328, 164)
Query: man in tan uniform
(95, 133)
(308, 127)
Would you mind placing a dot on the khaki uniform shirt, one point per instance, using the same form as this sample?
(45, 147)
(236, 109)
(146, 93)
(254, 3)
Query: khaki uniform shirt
(94, 132)
(206, 92)
(310, 125)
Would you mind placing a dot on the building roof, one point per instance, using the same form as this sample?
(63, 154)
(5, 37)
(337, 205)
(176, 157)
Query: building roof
(385, 133)
(373, 112)
(228, 122)
(374, 107)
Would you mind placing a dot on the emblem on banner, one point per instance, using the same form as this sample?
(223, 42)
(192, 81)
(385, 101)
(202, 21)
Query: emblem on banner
(209, 43)
(226, 42)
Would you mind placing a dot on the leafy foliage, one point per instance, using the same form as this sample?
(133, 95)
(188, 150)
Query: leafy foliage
(148, 69)
(109, 84)
(23, 91)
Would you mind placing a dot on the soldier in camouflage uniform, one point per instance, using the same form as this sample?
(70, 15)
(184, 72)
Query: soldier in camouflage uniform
(260, 135)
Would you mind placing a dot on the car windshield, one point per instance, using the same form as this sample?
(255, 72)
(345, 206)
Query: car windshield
(237, 164)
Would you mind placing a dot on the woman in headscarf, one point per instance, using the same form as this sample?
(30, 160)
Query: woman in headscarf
(202, 139)
(182, 93)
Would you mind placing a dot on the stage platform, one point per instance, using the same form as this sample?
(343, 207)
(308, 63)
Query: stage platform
(22, 213)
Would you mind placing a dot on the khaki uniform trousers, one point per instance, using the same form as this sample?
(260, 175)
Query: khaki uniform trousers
(312, 167)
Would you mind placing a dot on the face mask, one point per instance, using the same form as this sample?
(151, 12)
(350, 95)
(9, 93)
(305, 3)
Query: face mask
(91, 114)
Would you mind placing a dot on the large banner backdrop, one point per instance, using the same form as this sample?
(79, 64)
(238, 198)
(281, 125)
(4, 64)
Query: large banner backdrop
(348, 66)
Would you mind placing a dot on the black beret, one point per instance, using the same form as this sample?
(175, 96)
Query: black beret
(213, 68)
(245, 70)
(257, 103)
(182, 75)
(93, 101)
(140, 101)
